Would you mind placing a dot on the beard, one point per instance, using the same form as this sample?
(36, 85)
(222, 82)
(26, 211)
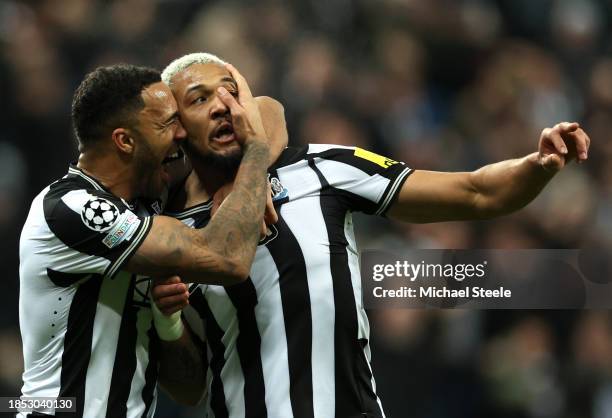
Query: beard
(147, 170)
(223, 165)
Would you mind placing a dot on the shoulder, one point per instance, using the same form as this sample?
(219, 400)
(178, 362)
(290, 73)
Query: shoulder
(293, 155)
(71, 197)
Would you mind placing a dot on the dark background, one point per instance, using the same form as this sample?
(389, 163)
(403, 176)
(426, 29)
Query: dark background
(439, 84)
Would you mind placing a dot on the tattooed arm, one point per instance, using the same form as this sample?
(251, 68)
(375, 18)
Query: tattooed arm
(222, 252)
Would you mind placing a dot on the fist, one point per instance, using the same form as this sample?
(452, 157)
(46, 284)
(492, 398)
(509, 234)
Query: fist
(170, 295)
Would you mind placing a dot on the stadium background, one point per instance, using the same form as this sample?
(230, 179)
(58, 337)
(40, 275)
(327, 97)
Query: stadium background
(440, 84)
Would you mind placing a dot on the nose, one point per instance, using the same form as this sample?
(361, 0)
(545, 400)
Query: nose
(180, 133)
(218, 109)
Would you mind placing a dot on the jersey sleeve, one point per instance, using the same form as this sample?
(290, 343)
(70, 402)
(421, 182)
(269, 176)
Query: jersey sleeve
(97, 225)
(366, 181)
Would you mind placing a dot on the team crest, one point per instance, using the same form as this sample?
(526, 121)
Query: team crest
(278, 190)
(99, 214)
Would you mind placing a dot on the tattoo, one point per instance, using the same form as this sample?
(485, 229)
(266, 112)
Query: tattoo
(234, 231)
(226, 245)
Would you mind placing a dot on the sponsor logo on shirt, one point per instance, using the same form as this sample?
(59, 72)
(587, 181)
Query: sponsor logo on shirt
(375, 158)
(123, 229)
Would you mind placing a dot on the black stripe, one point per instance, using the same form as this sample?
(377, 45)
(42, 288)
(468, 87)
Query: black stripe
(148, 391)
(396, 193)
(290, 155)
(214, 334)
(295, 298)
(77, 343)
(125, 358)
(61, 279)
(354, 394)
(353, 201)
(68, 227)
(248, 344)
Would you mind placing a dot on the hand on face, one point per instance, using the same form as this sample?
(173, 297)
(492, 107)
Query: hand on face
(561, 144)
(270, 215)
(246, 119)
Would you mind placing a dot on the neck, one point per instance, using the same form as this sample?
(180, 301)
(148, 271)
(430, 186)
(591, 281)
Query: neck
(110, 172)
(210, 178)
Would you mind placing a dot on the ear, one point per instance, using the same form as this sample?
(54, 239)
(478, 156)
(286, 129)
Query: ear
(123, 140)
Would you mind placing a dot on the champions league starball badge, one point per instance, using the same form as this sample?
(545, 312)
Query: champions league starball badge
(99, 214)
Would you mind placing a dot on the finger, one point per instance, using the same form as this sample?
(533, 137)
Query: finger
(172, 301)
(244, 91)
(229, 101)
(553, 162)
(163, 291)
(167, 280)
(239, 118)
(581, 142)
(552, 136)
(169, 310)
(568, 126)
(270, 215)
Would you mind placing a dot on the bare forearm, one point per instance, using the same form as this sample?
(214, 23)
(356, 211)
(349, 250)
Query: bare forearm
(234, 231)
(507, 186)
(273, 118)
(181, 370)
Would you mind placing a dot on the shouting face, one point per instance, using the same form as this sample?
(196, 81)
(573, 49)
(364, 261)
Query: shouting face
(158, 131)
(208, 122)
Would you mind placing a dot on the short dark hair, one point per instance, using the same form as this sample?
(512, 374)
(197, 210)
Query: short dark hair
(107, 98)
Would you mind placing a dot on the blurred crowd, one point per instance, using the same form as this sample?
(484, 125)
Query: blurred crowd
(440, 84)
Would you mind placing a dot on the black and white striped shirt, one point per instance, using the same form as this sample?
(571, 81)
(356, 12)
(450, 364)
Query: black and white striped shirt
(86, 324)
(292, 340)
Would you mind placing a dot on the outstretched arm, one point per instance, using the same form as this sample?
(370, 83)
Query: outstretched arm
(493, 190)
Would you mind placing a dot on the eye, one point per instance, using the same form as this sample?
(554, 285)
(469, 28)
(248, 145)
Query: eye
(198, 100)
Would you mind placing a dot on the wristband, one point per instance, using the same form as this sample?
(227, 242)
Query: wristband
(169, 328)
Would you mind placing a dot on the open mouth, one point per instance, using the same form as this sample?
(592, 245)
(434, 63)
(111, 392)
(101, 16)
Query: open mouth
(224, 133)
(177, 155)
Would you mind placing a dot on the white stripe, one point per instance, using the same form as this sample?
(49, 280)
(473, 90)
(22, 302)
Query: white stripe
(313, 240)
(109, 310)
(209, 378)
(135, 403)
(392, 191)
(352, 179)
(363, 326)
(316, 148)
(368, 355)
(232, 377)
(141, 233)
(271, 326)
